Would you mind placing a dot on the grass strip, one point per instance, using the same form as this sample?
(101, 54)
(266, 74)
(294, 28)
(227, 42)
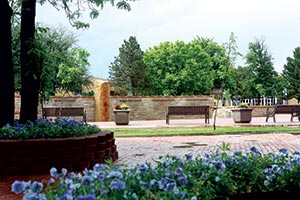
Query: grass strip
(175, 131)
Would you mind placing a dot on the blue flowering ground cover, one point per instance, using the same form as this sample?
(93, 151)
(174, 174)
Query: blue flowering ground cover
(47, 128)
(209, 176)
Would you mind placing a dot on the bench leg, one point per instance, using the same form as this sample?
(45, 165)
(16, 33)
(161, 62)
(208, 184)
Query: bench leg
(167, 119)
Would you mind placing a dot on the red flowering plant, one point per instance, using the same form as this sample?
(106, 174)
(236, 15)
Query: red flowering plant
(123, 106)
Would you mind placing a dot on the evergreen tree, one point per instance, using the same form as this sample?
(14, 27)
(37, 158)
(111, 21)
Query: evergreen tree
(128, 73)
(259, 60)
(291, 73)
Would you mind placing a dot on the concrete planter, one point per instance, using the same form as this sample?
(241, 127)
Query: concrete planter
(122, 117)
(242, 115)
(35, 156)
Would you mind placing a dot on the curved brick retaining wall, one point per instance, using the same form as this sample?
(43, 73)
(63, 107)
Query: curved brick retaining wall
(39, 155)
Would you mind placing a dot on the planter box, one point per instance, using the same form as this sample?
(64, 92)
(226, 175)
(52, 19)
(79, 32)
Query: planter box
(35, 156)
(122, 117)
(242, 115)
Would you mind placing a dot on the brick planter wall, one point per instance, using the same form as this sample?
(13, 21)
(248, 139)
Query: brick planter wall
(34, 156)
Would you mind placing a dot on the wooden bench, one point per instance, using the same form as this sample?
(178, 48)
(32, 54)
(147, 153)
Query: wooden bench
(188, 110)
(64, 112)
(294, 110)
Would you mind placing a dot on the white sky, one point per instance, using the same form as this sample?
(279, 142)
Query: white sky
(156, 21)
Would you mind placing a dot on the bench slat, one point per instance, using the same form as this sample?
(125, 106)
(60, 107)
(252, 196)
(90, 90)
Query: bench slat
(188, 110)
(64, 112)
(294, 110)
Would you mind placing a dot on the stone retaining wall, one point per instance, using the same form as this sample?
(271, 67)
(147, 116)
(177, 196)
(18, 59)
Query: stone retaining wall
(154, 107)
(87, 102)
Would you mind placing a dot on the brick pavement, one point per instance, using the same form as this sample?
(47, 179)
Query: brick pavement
(137, 150)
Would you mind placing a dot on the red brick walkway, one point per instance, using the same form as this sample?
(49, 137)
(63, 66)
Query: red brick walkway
(141, 149)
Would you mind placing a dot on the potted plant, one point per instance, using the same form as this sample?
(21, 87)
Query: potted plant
(121, 114)
(242, 114)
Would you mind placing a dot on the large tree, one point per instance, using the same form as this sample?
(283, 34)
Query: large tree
(128, 73)
(56, 49)
(30, 68)
(291, 73)
(6, 66)
(260, 62)
(181, 68)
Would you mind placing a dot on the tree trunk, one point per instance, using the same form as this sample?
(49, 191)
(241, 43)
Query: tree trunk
(29, 67)
(7, 98)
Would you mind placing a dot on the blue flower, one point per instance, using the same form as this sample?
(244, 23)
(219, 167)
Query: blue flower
(287, 166)
(170, 186)
(115, 174)
(88, 197)
(117, 184)
(17, 187)
(86, 181)
(36, 187)
(194, 198)
(143, 168)
(146, 185)
(254, 150)
(162, 183)
(284, 151)
(178, 171)
(53, 172)
(182, 180)
(189, 157)
(276, 169)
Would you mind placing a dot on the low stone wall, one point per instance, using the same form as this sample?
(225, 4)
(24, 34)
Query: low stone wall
(154, 107)
(34, 156)
(87, 102)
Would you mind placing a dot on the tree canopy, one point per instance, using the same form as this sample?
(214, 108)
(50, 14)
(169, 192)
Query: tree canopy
(128, 73)
(181, 68)
(291, 73)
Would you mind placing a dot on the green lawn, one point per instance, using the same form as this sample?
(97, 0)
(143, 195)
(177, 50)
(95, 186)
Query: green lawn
(167, 131)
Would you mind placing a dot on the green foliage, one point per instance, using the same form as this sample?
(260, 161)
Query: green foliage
(291, 73)
(44, 128)
(73, 74)
(183, 68)
(128, 73)
(56, 50)
(74, 10)
(262, 75)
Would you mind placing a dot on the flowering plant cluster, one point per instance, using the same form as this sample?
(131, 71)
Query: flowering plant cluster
(48, 128)
(218, 174)
(243, 105)
(123, 106)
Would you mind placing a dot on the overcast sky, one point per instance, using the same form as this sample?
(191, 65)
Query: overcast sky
(156, 21)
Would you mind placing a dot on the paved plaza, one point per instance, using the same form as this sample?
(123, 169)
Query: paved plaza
(137, 150)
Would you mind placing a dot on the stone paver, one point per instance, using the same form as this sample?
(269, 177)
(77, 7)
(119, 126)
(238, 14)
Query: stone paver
(137, 150)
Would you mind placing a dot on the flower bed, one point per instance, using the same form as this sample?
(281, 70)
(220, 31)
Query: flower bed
(39, 155)
(36, 147)
(211, 176)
